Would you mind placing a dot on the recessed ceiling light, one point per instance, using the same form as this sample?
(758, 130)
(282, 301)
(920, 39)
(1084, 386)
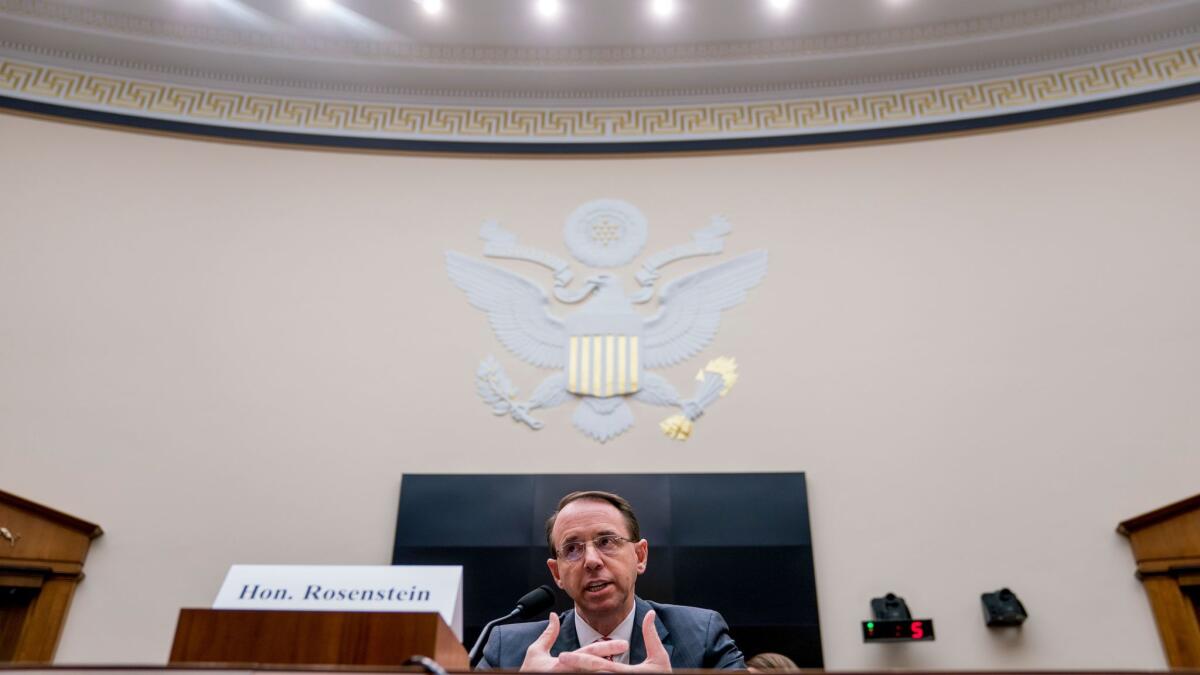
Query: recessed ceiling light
(432, 6)
(548, 9)
(779, 5)
(317, 5)
(662, 8)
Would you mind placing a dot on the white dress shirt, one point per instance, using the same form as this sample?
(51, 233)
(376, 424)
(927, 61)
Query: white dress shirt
(623, 631)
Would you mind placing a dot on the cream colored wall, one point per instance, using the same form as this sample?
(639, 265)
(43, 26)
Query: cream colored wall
(982, 350)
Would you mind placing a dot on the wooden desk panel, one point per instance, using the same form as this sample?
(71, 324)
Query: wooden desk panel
(233, 637)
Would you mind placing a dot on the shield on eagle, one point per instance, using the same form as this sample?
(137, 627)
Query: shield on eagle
(603, 353)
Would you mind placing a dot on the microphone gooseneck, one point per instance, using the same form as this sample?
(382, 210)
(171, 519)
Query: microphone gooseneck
(530, 605)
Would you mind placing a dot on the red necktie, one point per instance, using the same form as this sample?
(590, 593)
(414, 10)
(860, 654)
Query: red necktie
(604, 638)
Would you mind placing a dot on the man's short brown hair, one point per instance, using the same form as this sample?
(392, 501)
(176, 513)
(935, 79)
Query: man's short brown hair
(772, 662)
(631, 521)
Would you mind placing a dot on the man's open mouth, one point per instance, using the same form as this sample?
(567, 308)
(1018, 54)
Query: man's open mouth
(596, 586)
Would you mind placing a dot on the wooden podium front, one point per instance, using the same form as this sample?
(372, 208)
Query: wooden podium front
(248, 638)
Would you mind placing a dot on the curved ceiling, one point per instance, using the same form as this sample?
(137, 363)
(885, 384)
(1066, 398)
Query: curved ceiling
(384, 62)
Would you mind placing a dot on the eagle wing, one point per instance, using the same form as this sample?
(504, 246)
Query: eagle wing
(517, 308)
(690, 308)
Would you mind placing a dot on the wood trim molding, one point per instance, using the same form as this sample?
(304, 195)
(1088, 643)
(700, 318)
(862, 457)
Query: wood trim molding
(92, 530)
(1169, 567)
(1166, 545)
(42, 563)
(1160, 514)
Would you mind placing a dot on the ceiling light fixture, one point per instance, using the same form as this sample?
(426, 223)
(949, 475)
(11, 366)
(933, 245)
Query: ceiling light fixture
(548, 9)
(317, 5)
(780, 5)
(662, 8)
(432, 7)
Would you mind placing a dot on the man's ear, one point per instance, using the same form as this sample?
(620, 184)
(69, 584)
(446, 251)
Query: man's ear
(553, 565)
(642, 550)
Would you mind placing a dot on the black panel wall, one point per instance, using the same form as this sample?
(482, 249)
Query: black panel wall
(736, 543)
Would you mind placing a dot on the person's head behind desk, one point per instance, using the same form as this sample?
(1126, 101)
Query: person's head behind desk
(596, 555)
(770, 662)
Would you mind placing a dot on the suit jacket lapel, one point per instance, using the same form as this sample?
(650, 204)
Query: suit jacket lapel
(568, 639)
(637, 645)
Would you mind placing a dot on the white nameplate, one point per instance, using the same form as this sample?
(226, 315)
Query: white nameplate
(365, 588)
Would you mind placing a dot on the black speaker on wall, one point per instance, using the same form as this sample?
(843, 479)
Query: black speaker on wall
(736, 543)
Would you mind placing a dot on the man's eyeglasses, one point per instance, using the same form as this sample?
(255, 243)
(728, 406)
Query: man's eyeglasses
(608, 544)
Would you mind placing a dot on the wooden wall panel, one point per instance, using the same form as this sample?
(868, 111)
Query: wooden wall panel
(1166, 545)
(1178, 537)
(41, 561)
(1176, 619)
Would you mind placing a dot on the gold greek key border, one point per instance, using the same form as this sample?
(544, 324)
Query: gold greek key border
(297, 115)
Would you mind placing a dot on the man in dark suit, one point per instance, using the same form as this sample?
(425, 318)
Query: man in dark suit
(597, 554)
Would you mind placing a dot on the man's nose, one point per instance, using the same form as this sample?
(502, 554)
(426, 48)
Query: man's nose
(591, 556)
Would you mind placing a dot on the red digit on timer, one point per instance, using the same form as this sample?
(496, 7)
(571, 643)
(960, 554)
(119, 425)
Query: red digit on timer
(918, 630)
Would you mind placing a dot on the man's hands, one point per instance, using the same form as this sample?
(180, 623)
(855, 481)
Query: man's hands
(590, 658)
(538, 659)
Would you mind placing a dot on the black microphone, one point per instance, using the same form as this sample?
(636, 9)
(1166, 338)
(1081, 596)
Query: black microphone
(535, 602)
(530, 605)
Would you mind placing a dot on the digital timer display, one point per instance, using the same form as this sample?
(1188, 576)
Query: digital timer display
(901, 630)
